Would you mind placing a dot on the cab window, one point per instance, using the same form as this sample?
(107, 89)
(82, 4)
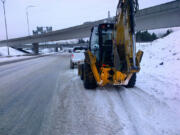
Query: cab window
(95, 42)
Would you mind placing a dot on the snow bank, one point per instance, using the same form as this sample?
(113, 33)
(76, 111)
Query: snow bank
(13, 52)
(160, 32)
(8, 59)
(162, 57)
(160, 73)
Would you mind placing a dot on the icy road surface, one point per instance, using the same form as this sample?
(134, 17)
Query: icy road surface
(44, 97)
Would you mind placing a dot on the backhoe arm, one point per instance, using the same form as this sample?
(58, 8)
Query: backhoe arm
(124, 37)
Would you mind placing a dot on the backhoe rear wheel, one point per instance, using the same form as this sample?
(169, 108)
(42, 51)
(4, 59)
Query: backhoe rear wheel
(132, 81)
(88, 77)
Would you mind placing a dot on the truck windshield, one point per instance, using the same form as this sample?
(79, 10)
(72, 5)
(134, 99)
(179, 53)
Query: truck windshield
(107, 37)
(106, 54)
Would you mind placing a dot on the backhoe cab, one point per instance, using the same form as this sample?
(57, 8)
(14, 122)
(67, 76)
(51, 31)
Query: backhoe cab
(111, 57)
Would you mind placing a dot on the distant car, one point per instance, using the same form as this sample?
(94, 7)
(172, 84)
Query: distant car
(77, 56)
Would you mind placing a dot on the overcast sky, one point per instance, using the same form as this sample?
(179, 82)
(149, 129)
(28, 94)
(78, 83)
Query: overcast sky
(57, 13)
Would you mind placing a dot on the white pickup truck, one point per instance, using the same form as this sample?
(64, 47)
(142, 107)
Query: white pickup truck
(77, 56)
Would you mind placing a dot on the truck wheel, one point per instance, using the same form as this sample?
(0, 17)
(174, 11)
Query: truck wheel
(89, 80)
(132, 81)
(82, 72)
(71, 65)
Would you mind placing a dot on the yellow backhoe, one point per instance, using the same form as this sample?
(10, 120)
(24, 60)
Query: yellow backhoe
(111, 57)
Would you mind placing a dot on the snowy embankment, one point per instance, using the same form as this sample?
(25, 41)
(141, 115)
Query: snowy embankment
(162, 57)
(13, 52)
(14, 55)
(160, 73)
(14, 58)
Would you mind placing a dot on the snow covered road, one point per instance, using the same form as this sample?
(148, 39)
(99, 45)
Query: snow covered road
(44, 97)
(109, 111)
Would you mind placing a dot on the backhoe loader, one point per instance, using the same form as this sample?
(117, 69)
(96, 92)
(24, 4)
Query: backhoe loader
(111, 58)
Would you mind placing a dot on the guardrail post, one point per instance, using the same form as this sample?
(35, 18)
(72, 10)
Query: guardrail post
(36, 48)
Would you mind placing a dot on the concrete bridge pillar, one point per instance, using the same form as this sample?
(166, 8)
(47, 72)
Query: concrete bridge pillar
(56, 49)
(36, 48)
(61, 47)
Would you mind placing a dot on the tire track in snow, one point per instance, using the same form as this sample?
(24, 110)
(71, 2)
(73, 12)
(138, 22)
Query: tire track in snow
(133, 114)
(166, 92)
(87, 112)
(128, 124)
(148, 115)
(148, 97)
(128, 115)
(162, 82)
(165, 82)
(112, 114)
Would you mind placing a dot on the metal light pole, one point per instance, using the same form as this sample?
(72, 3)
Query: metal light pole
(5, 21)
(27, 15)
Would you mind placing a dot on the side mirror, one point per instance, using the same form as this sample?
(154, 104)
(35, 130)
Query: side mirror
(96, 47)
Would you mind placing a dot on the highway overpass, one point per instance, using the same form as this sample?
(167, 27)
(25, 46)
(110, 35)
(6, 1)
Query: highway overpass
(161, 16)
(51, 45)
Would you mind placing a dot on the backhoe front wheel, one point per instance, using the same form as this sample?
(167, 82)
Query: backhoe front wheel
(81, 71)
(132, 81)
(88, 77)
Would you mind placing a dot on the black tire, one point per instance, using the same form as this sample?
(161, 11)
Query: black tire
(82, 72)
(71, 65)
(132, 81)
(89, 80)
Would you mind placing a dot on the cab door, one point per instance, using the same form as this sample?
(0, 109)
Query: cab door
(94, 43)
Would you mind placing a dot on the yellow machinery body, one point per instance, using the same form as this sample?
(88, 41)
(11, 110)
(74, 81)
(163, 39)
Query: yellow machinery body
(123, 46)
(119, 78)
